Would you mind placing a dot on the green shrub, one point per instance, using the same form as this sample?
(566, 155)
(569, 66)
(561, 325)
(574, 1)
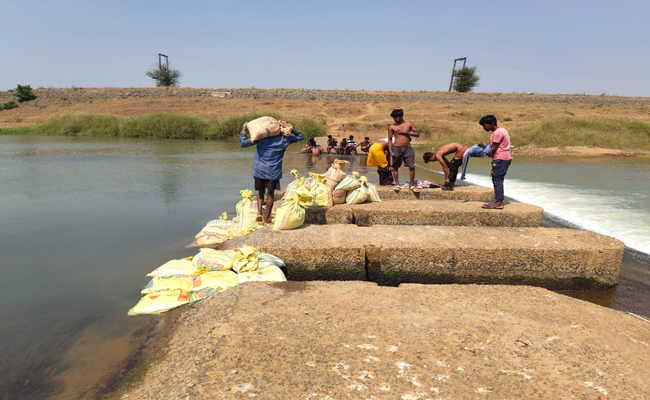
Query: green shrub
(8, 105)
(24, 93)
(16, 131)
(309, 127)
(165, 126)
(81, 125)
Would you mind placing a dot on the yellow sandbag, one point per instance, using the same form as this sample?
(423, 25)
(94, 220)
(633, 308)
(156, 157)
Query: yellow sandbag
(176, 267)
(313, 179)
(221, 222)
(214, 260)
(212, 236)
(338, 196)
(294, 187)
(269, 258)
(159, 302)
(374, 193)
(263, 127)
(349, 183)
(247, 212)
(333, 176)
(168, 282)
(207, 292)
(359, 195)
(291, 184)
(321, 196)
(291, 214)
(215, 278)
(247, 197)
(245, 259)
(268, 274)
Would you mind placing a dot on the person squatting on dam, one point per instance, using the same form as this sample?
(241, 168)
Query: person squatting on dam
(501, 158)
(402, 152)
(267, 167)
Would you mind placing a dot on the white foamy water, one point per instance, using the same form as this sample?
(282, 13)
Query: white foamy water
(620, 214)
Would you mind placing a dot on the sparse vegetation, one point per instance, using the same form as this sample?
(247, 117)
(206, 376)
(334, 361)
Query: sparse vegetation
(596, 132)
(163, 126)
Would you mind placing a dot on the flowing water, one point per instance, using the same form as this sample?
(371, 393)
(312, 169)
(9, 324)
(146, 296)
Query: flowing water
(82, 220)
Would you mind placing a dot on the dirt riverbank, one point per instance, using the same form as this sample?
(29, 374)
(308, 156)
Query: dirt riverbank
(345, 112)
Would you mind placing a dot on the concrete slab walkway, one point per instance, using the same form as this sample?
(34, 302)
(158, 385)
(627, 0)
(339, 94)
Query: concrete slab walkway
(431, 212)
(464, 193)
(389, 255)
(355, 340)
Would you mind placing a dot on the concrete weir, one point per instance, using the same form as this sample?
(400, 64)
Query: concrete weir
(393, 254)
(464, 193)
(433, 212)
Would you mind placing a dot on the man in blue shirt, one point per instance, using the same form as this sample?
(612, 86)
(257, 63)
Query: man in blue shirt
(267, 168)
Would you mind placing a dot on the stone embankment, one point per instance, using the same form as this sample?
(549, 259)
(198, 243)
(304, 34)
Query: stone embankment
(52, 96)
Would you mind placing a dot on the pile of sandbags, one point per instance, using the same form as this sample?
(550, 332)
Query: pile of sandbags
(326, 190)
(179, 282)
(219, 230)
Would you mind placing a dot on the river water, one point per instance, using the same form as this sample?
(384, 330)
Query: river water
(83, 220)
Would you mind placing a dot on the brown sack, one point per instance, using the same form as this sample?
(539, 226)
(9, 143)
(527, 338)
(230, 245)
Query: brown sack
(263, 127)
(338, 196)
(333, 176)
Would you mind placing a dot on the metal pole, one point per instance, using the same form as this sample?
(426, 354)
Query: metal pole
(463, 59)
(453, 69)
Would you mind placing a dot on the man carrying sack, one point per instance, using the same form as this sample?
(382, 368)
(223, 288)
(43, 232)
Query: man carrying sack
(267, 167)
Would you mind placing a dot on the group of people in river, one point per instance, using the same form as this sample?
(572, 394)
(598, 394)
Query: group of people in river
(347, 146)
(387, 155)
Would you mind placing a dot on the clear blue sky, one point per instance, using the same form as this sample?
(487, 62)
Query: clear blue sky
(552, 46)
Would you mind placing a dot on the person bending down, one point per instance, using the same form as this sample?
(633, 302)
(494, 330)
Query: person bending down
(449, 167)
(378, 156)
(401, 149)
(267, 167)
(478, 150)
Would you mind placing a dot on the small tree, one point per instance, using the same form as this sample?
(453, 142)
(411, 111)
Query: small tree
(165, 76)
(465, 79)
(24, 93)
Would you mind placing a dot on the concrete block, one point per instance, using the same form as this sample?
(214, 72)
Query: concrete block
(464, 193)
(390, 255)
(433, 212)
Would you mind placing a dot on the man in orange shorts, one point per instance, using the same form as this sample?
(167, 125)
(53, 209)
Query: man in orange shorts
(450, 167)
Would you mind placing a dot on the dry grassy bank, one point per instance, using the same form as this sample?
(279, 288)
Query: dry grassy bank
(452, 119)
